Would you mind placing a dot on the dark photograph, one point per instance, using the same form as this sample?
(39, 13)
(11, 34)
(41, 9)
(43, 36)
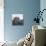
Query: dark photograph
(17, 19)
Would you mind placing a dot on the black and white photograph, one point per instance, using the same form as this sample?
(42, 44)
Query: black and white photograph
(17, 19)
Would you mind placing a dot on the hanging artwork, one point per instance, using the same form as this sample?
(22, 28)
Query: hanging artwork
(17, 19)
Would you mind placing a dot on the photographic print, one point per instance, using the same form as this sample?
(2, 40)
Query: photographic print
(17, 19)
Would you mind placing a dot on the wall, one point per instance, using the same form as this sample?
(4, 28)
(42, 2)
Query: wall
(43, 6)
(1, 20)
(25, 7)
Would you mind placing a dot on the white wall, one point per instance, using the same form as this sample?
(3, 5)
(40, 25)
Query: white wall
(1, 20)
(43, 6)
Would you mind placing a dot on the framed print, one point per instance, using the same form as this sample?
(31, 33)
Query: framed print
(17, 19)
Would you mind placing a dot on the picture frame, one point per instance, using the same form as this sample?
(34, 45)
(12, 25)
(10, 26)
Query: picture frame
(17, 19)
